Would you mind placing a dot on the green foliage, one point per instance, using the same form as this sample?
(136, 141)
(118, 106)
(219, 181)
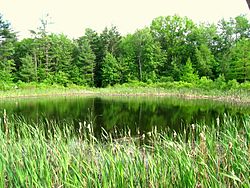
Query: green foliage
(6, 69)
(172, 48)
(27, 70)
(220, 82)
(188, 74)
(85, 61)
(61, 78)
(7, 41)
(239, 61)
(233, 84)
(205, 83)
(205, 61)
(110, 71)
(172, 33)
(43, 155)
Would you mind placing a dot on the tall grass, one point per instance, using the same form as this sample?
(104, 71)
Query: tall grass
(42, 155)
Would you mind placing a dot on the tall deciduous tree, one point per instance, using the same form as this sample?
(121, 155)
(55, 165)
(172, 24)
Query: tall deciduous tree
(205, 61)
(141, 56)
(147, 54)
(239, 61)
(172, 33)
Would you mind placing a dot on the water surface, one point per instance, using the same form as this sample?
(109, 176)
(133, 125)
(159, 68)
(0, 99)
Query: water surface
(135, 113)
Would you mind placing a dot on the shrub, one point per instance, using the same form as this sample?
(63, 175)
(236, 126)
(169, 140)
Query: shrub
(205, 83)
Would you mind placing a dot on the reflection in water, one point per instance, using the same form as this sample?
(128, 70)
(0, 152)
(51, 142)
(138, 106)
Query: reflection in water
(134, 113)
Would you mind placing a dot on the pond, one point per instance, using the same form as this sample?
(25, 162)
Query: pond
(135, 113)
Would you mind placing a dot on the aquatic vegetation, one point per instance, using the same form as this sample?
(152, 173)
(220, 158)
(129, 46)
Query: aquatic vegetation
(45, 154)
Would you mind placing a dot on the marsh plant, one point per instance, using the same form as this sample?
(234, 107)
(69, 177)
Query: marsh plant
(44, 155)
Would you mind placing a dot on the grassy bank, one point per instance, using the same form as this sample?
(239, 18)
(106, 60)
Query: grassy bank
(239, 93)
(42, 155)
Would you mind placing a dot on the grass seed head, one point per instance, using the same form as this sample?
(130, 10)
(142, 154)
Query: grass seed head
(175, 134)
(230, 145)
(193, 126)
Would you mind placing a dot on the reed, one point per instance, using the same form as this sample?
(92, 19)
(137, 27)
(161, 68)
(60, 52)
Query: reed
(42, 155)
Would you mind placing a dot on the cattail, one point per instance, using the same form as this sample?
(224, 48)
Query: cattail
(89, 128)
(80, 130)
(155, 131)
(229, 162)
(203, 147)
(230, 146)
(203, 150)
(145, 162)
(218, 121)
(5, 122)
(193, 135)
(80, 127)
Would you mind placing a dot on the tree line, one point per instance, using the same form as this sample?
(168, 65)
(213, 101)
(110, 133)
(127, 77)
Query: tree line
(172, 48)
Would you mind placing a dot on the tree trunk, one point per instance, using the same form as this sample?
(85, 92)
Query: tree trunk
(35, 60)
(47, 59)
(140, 67)
(248, 2)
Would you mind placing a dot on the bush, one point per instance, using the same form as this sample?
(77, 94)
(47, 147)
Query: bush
(233, 84)
(245, 85)
(4, 86)
(182, 84)
(220, 82)
(166, 79)
(24, 85)
(205, 83)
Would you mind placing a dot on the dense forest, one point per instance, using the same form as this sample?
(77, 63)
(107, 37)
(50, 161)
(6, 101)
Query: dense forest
(171, 48)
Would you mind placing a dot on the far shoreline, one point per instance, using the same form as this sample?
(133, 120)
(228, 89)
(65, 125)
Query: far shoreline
(35, 93)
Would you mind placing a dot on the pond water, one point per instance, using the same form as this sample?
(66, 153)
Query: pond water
(134, 113)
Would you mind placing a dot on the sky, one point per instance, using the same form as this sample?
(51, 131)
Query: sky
(72, 17)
